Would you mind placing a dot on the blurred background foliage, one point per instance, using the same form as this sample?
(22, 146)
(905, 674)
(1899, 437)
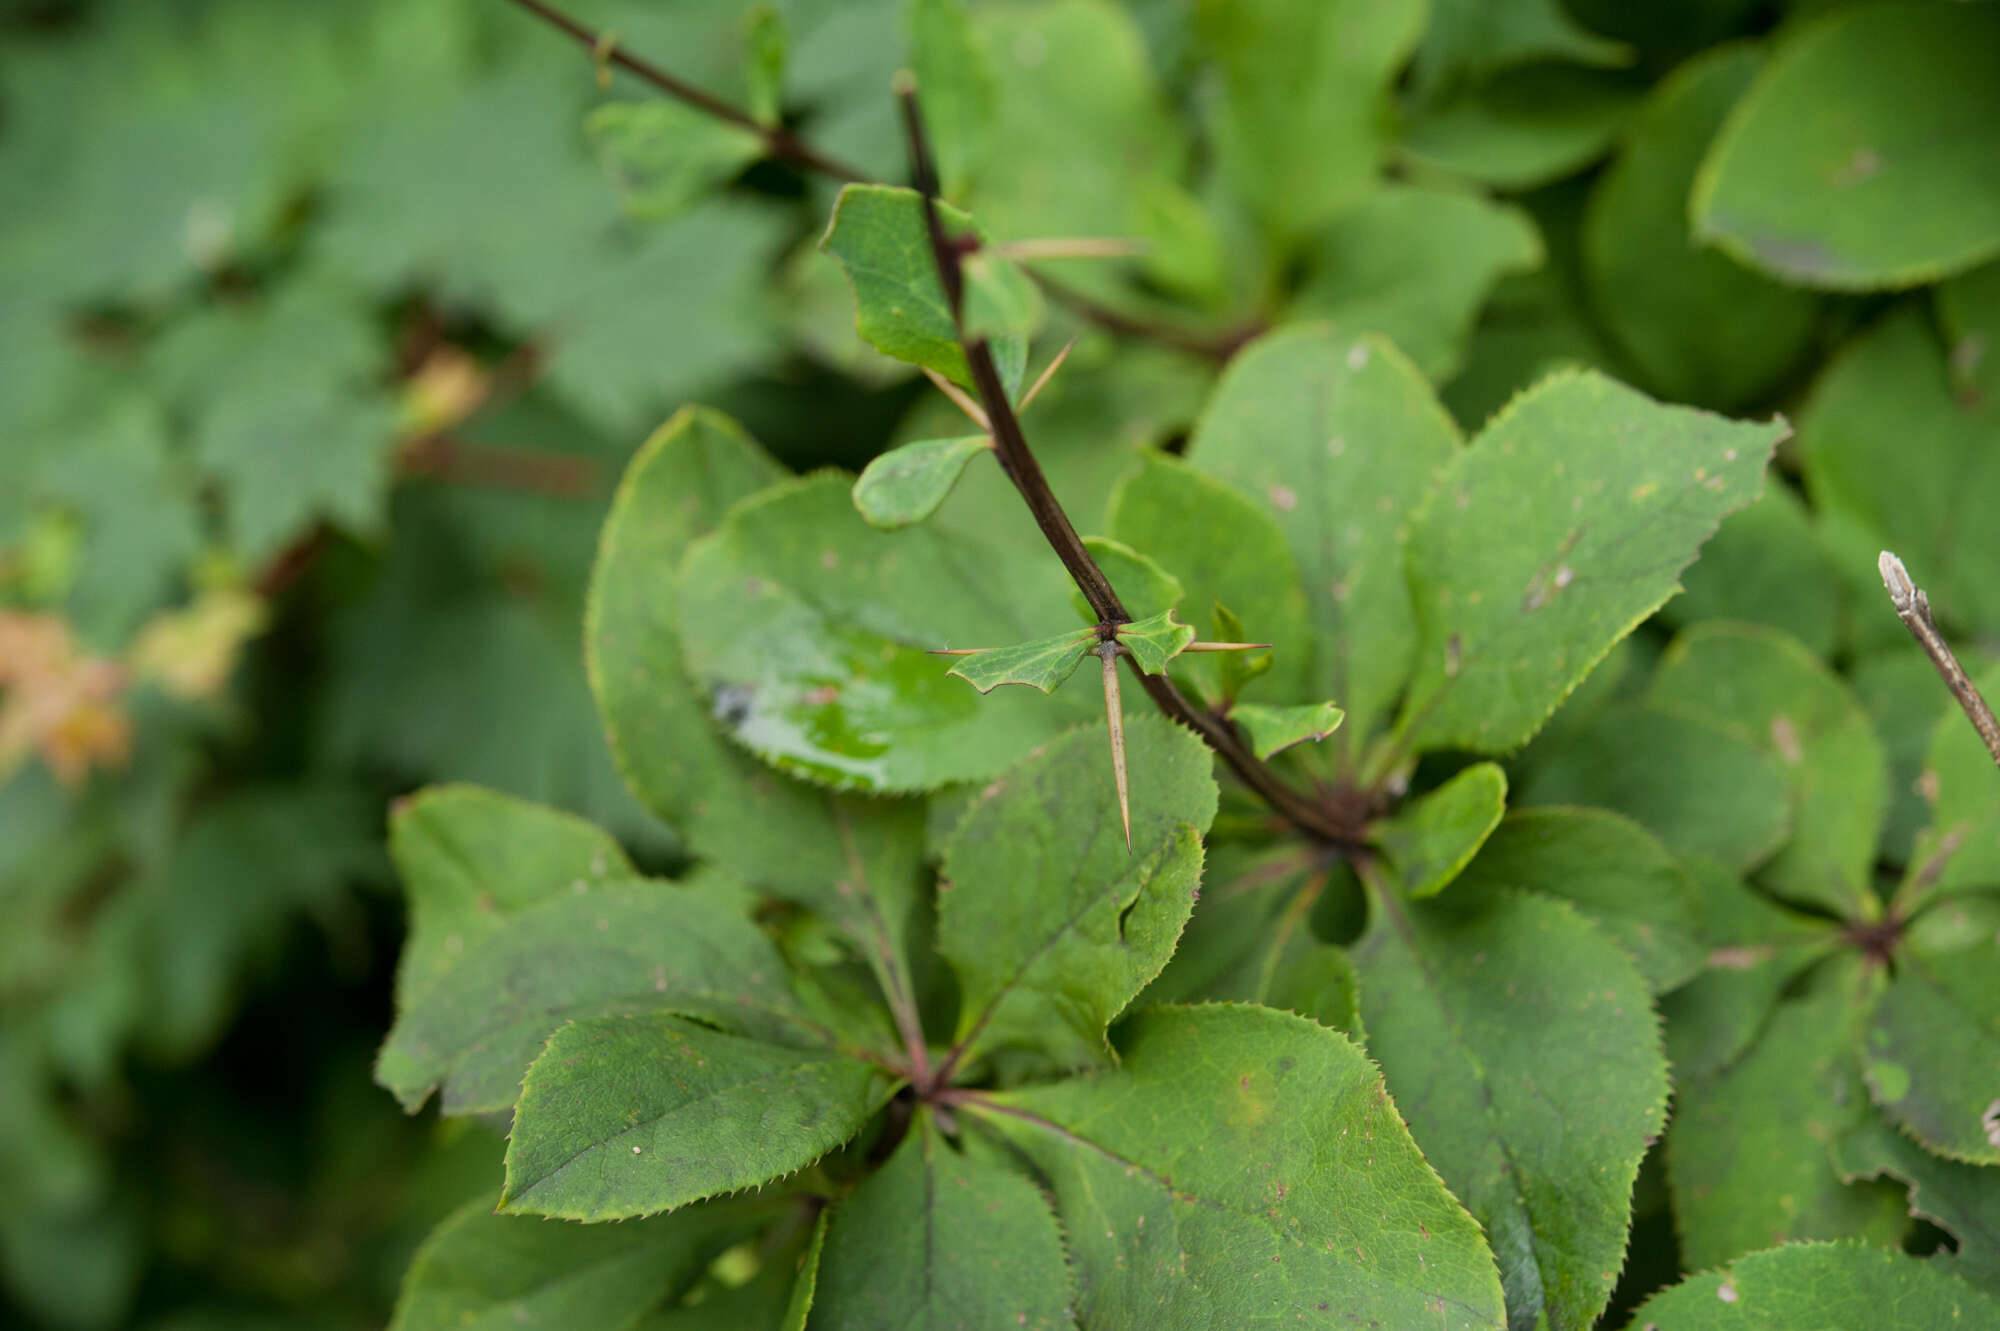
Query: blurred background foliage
(328, 326)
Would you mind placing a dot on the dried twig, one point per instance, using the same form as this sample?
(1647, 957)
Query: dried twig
(1914, 609)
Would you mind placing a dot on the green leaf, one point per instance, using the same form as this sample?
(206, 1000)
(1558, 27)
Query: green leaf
(1933, 1040)
(1756, 950)
(1050, 923)
(1902, 693)
(906, 484)
(1488, 1009)
(809, 632)
(1430, 840)
(1700, 327)
(1154, 642)
(1807, 1286)
(1240, 560)
(957, 85)
(1303, 420)
(1146, 589)
(1415, 265)
(1960, 850)
(1469, 38)
(638, 1112)
(621, 946)
(764, 48)
(1767, 565)
(297, 430)
(1609, 868)
(487, 1272)
(1042, 664)
(1704, 788)
(1891, 186)
(1770, 690)
(1303, 99)
(1083, 139)
(1523, 127)
(1561, 528)
(1747, 1158)
(944, 1237)
(879, 235)
(777, 834)
(471, 859)
(805, 1286)
(666, 156)
(1243, 1166)
(1969, 310)
(1958, 1198)
(1884, 388)
(1274, 729)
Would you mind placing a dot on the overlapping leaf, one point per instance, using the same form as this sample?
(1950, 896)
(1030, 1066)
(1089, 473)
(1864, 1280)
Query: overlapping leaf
(1488, 1009)
(1565, 524)
(1236, 1140)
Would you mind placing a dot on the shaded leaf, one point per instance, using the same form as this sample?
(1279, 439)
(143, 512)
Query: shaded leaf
(1523, 127)
(1240, 560)
(1274, 729)
(471, 859)
(1703, 789)
(664, 156)
(1468, 38)
(1959, 1198)
(1430, 840)
(1562, 527)
(1932, 1045)
(1243, 1165)
(639, 1112)
(1415, 265)
(1969, 309)
(1303, 420)
(1050, 923)
(1806, 1286)
(1885, 387)
(906, 484)
(1488, 1009)
(943, 1236)
(1304, 95)
(1701, 327)
(1748, 1156)
(1960, 850)
(621, 946)
(1147, 589)
(481, 1270)
(1612, 870)
(1765, 565)
(1892, 186)
(1770, 690)
(1756, 951)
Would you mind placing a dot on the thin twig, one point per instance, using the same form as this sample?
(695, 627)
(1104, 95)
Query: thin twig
(1048, 373)
(789, 147)
(781, 143)
(1018, 461)
(1914, 609)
